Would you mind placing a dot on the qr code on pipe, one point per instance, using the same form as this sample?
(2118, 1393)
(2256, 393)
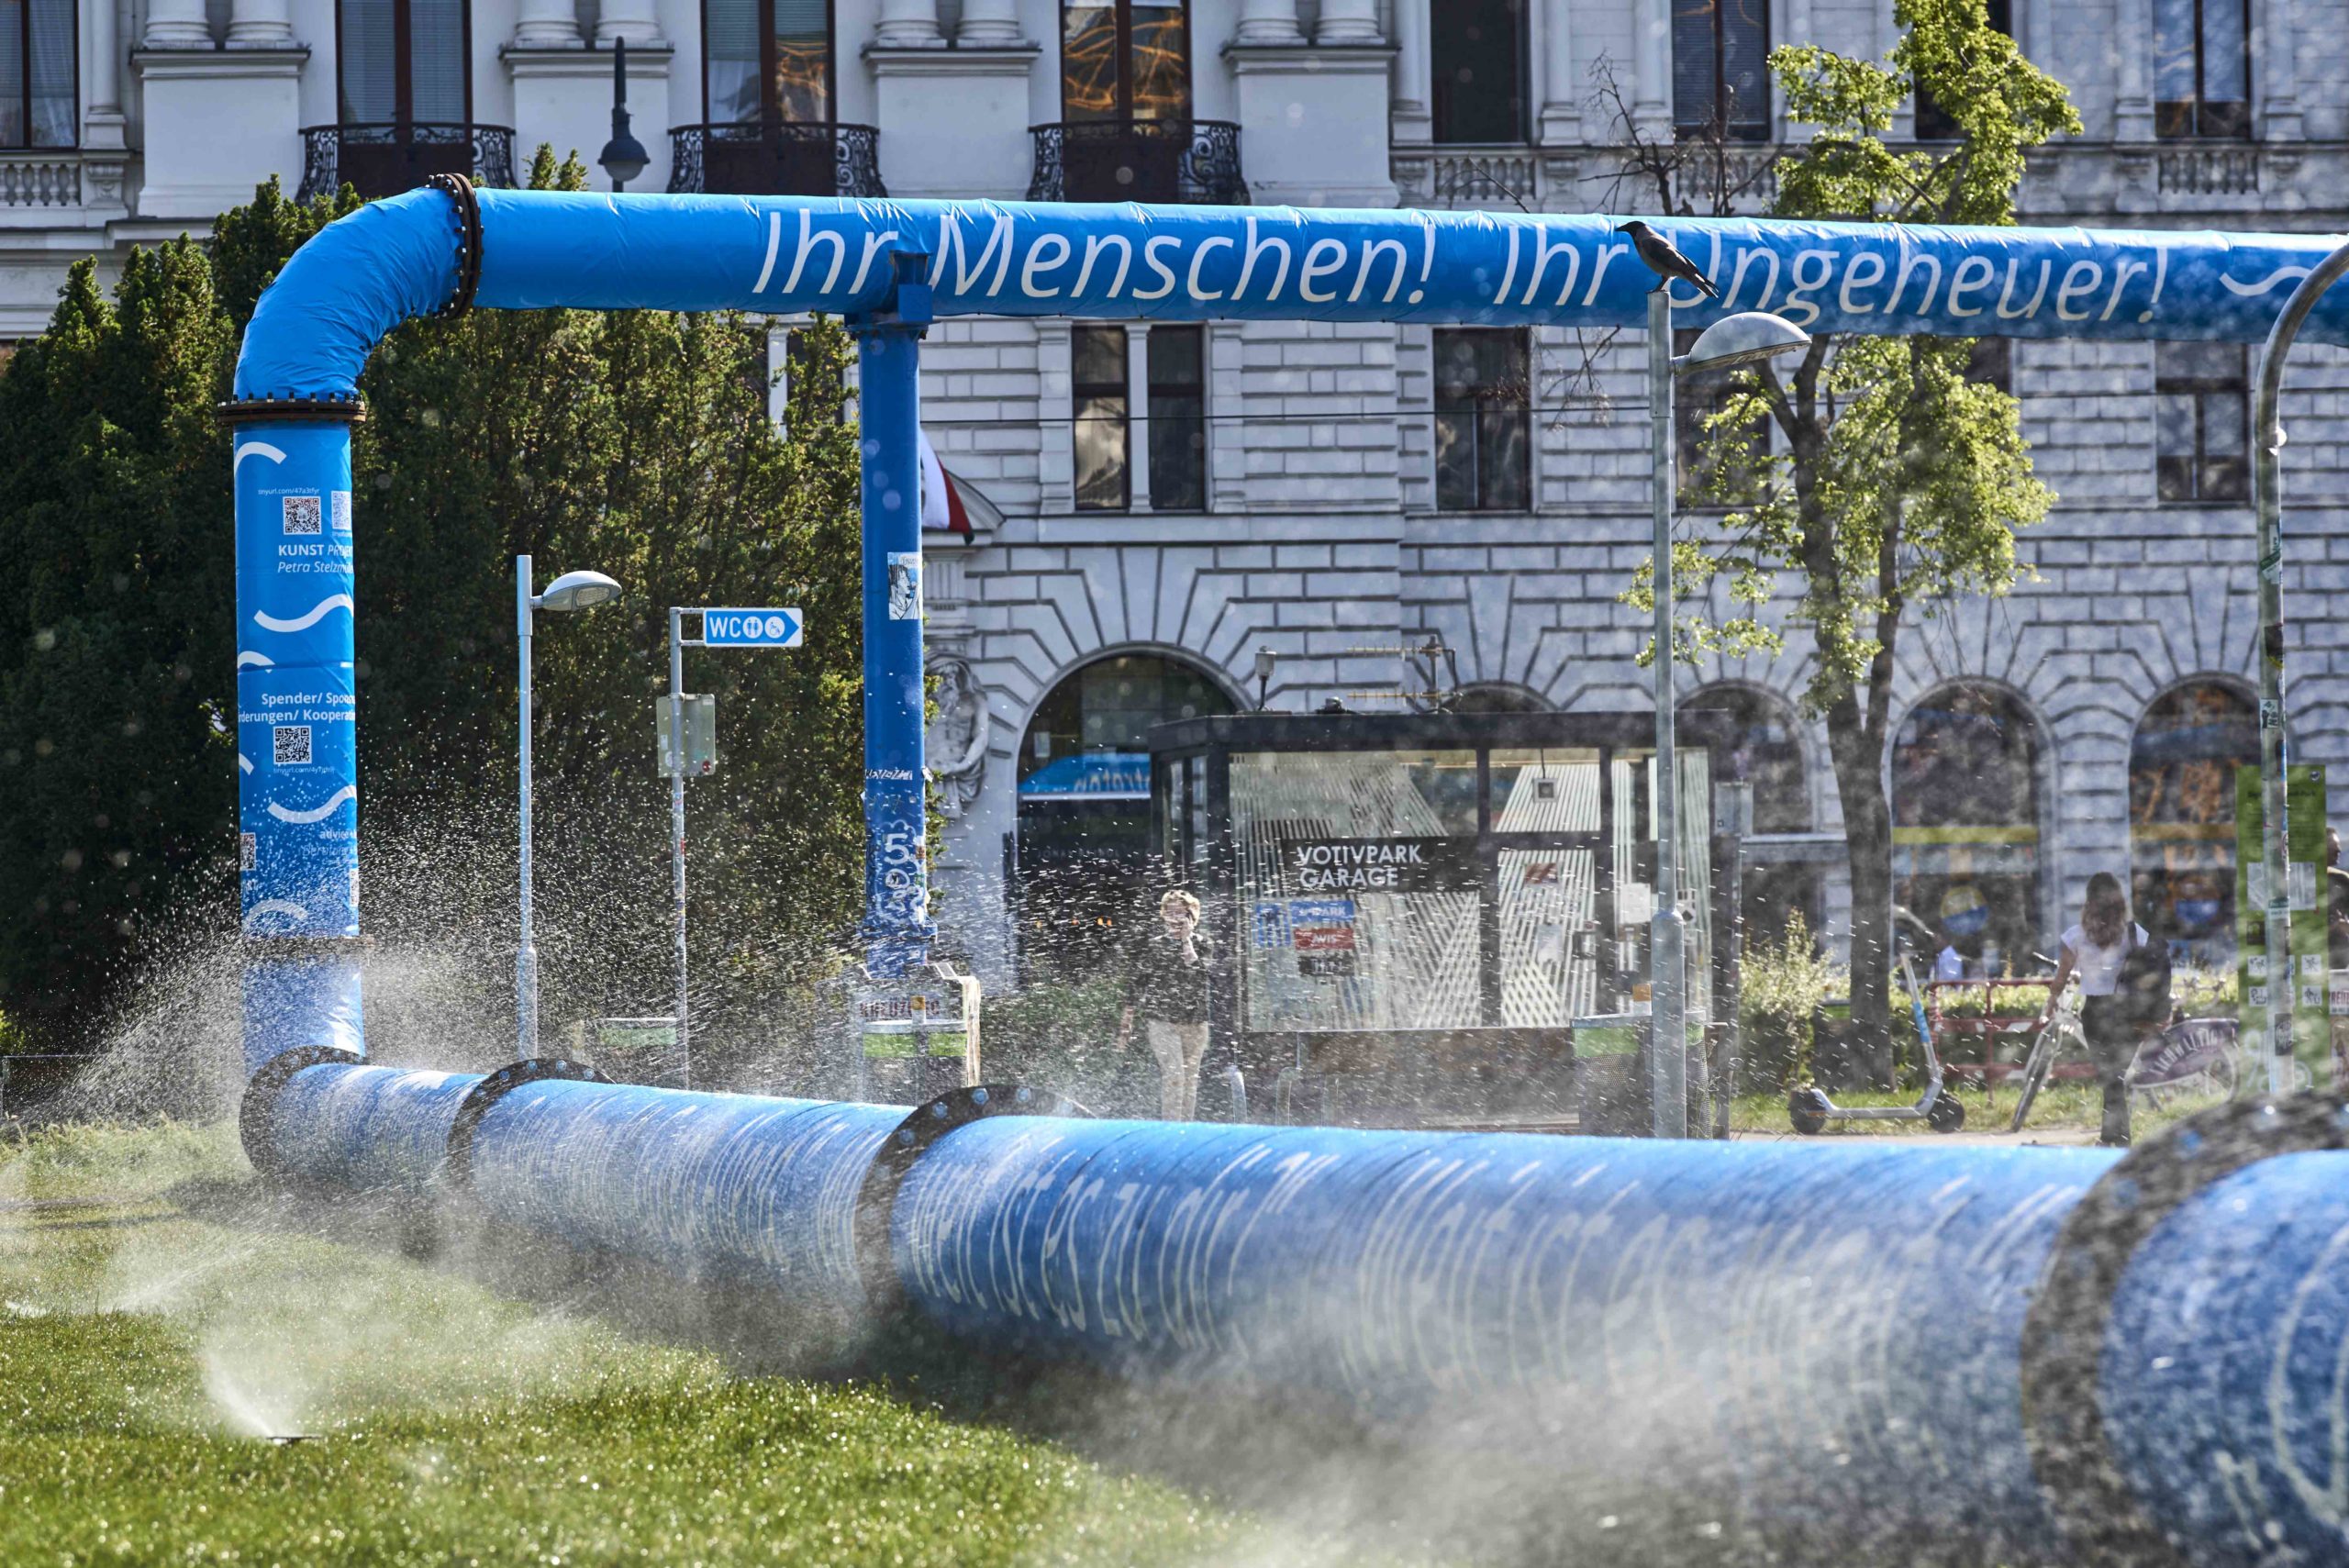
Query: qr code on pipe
(244, 851)
(340, 511)
(289, 745)
(303, 515)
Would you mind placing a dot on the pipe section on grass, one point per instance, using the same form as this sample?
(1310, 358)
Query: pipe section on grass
(2226, 1368)
(1826, 1333)
(716, 1189)
(1830, 1338)
(381, 1130)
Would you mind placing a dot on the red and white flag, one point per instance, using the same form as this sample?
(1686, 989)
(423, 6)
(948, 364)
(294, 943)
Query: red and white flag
(941, 503)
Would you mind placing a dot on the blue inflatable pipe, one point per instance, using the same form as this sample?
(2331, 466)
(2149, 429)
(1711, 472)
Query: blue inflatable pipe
(1853, 1334)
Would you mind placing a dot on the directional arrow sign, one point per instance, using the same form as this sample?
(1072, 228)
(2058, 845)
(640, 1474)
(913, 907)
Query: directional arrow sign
(751, 629)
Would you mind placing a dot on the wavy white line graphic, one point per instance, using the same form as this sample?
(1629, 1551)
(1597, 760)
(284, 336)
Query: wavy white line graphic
(2267, 284)
(317, 814)
(253, 449)
(276, 906)
(244, 762)
(304, 622)
(260, 659)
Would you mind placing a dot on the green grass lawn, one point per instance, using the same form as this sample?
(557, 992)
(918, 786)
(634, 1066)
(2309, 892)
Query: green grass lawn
(144, 1351)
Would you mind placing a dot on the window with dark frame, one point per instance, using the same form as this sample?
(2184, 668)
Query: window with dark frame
(1125, 59)
(1102, 432)
(2201, 67)
(1476, 52)
(1933, 122)
(1694, 400)
(1484, 438)
(1179, 425)
(403, 63)
(38, 84)
(1720, 69)
(2201, 422)
(1991, 363)
(767, 61)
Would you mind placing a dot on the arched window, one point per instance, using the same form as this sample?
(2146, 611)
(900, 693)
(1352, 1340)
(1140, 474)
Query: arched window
(37, 79)
(1764, 749)
(1965, 858)
(1491, 697)
(2182, 764)
(1082, 854)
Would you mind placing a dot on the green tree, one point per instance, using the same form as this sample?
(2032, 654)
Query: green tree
(1901, 479)
(638, 443)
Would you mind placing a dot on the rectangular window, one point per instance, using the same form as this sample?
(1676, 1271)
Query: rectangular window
(2201, 67)
(803, 61)
(2201, 422)
(1991, 363)
(1933, 122)
(400, 62)
(1098, 387)
(1478, 52)
(1125, 59)
(1720, 69)
(37, 82)
(1178, 426)
(1483, 421)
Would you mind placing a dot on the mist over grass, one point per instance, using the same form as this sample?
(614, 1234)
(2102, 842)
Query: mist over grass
(149, 1358)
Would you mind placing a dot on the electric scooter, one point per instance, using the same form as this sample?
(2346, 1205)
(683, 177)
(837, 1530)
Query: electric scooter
(1810, 1110)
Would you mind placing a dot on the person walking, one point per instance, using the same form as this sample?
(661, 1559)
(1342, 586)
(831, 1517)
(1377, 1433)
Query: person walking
(2120, 969)
(1168, 990)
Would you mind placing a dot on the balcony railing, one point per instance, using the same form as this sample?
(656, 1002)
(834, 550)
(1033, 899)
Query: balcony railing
(379, 160)
(45, 178)
(798, 159)
(1138, 161)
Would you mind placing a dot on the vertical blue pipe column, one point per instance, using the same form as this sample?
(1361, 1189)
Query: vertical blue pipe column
(298, 760)
(898, 930)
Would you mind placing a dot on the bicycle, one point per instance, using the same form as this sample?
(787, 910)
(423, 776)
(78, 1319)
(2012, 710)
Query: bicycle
(2053, 1035)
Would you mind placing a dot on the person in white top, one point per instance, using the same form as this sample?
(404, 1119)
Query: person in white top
(2093, 950)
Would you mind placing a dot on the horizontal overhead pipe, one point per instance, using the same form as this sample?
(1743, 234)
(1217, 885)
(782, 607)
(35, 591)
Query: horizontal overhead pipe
(2140, 1359)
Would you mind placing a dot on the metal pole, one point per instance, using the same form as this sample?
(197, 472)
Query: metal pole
(1668, 932)
(2268, 493)
(677, 825)
(525, 955)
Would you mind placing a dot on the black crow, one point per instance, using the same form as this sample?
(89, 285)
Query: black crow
(1662, 260)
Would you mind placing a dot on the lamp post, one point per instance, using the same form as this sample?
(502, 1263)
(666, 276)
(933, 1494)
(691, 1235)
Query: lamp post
(571, 591)
(623, 157)
(2267, 499)
(1743, 339)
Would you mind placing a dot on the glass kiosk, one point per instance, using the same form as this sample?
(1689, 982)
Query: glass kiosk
(1411, 912)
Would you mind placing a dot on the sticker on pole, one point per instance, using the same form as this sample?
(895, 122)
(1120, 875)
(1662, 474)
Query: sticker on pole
(751, 629)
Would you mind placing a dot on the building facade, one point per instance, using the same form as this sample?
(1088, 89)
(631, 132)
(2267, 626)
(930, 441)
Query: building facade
(1164, 521)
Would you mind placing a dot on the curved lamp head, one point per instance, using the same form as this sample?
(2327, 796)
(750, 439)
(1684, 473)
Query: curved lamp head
(623, 158)
(578, 590)
(1743, 339)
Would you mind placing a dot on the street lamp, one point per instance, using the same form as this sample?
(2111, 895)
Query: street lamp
(2268, 502)
(571, 591)
(1744, 339)
(623, 157)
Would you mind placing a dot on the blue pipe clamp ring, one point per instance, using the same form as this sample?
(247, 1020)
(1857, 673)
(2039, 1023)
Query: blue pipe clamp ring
(2064, 1334)
(458, 1169)
(876, 1200)
(260, 1103)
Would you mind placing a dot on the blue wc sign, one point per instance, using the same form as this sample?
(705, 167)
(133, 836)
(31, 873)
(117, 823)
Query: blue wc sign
(751, 629)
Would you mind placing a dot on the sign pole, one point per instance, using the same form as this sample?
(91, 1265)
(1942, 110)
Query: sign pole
(677, 827)
(1667, 933)
(526, 951)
